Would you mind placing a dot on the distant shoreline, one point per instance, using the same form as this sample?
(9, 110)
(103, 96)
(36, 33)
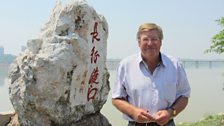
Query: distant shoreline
(4, 65)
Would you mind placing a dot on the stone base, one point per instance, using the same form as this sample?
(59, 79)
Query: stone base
(5, 118)
(97, 119)
(93, 120)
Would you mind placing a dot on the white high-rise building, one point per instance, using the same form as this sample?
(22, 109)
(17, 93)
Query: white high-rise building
(1, 50)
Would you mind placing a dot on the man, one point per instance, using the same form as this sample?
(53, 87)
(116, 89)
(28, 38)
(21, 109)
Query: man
(151, 88)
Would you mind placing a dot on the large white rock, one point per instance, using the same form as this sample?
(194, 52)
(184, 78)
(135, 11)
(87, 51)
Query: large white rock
(62, 77)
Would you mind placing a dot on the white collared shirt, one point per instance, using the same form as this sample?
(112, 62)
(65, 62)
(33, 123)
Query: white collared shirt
(151, 92)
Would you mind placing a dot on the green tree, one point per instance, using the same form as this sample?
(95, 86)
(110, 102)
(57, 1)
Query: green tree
(218, 40)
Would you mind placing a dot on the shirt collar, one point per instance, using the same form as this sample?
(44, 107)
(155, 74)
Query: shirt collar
(162, 59)
(139, 58)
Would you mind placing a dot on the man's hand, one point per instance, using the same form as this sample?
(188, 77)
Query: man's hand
(142, 116)
(162, 117)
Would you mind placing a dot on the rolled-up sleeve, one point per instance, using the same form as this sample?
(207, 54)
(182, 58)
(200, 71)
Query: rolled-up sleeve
(183, 87)
(118, 90)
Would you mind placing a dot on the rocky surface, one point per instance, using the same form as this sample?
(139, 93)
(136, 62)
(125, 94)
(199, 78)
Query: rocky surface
(5, 118)
(61, 78)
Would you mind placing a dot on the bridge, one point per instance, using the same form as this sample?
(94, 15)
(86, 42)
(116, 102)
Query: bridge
(112, 64)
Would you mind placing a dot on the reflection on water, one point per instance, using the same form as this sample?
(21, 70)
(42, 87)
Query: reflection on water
(4, 92)
(3, 74)
(207, 91)
(1, 82)
(4, 98)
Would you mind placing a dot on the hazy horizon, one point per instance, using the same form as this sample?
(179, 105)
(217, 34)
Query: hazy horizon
(188, 25)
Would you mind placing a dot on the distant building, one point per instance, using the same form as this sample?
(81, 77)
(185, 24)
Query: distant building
(1, 50)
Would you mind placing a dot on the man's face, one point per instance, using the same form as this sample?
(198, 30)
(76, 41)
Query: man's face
(150, 44)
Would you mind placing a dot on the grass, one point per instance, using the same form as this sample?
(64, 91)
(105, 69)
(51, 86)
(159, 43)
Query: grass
(211, 120)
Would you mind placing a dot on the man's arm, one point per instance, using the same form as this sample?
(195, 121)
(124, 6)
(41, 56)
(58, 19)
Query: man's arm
(138, 114)
(180, 104)
(163, 116)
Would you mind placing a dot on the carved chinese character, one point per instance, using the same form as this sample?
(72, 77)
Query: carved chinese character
(91, 94)
(94, 55)
(95, 33)
(94, 76)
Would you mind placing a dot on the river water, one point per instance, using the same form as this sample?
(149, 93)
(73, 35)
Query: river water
(207, 95)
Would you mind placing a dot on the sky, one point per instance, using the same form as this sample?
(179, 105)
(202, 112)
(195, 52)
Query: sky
(188, 25)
